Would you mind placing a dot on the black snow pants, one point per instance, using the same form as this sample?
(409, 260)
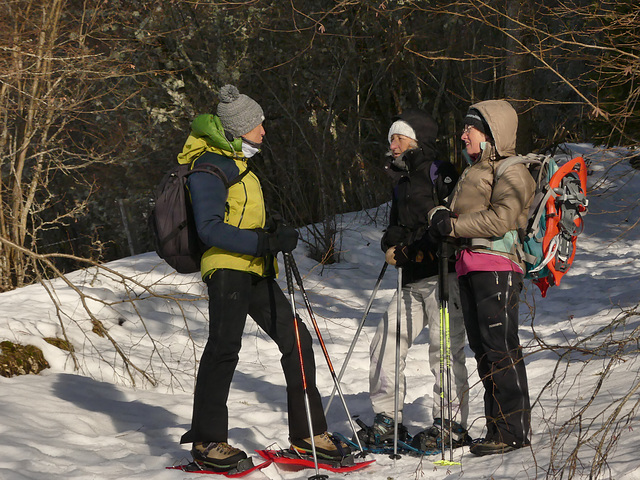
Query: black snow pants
(232, 296)
(490, 305)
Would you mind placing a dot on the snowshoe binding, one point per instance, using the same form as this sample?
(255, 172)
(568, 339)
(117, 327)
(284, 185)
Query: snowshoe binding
(220, 457)
(430, 440)
(328, 447)
(381, 433)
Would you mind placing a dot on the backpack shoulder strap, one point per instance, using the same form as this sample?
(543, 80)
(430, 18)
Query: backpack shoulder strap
(502, 166)
(210, 168)
(433, 170)
(527, 160)
(239, 178)
(433, 176)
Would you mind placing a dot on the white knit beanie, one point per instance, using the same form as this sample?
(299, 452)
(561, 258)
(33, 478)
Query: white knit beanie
(400, 127)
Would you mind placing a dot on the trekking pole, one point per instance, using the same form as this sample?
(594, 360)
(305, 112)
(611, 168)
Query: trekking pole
(336, 384)
(445, 355)
(397, 375)
(355, 338)
(287, 267)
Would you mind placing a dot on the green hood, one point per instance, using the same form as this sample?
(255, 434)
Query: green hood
(207, 134)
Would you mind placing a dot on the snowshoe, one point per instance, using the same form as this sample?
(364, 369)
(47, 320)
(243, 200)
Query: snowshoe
(388, 447)
(296, 459)
(242, 468)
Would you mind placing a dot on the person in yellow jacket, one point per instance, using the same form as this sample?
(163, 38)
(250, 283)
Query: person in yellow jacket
(239, 269)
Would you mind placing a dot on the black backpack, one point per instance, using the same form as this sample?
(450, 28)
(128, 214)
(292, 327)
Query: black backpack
(171, 221)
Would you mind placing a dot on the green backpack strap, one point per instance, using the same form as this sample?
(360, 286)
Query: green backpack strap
(511, 241)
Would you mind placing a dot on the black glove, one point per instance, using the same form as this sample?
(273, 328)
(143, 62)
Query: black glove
(440, 223)
(273, 220)
(423, 250)
(283, 239)
(394, 235)
(401, 255)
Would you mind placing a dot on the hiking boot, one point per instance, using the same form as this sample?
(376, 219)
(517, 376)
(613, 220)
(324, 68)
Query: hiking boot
(327, 446)
(382, 431)
(491, 447)
(431, 438)
(219, 456)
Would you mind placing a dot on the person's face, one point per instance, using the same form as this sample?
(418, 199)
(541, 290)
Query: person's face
(400, 144)
(255, 135)
(472, 138)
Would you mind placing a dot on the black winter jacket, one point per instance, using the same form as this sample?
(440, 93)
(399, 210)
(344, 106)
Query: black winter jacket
(425, 184)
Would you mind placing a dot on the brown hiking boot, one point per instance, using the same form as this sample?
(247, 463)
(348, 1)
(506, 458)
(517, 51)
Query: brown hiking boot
(327, 446)
(219, 456)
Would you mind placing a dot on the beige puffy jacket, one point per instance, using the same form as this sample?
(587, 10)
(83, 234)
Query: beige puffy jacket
(486, 210)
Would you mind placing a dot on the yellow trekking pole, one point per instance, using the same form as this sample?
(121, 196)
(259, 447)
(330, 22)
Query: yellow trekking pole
(445, 355)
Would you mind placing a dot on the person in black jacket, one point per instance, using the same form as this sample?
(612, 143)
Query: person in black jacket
(422, 183)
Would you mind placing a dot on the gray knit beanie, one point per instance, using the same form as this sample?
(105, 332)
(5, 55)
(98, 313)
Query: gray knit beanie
(238, 113)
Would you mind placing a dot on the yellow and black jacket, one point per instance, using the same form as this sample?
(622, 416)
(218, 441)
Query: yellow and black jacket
(227, 219)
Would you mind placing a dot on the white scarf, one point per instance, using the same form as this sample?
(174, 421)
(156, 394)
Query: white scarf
(248, 149)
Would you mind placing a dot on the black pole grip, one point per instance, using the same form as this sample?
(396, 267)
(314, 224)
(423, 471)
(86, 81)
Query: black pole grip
(443, 271)
(287, 270)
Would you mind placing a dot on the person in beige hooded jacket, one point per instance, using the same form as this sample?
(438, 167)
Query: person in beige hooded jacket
(484, 216)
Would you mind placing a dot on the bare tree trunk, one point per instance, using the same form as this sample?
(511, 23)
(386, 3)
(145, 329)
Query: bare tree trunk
(518, 77)
(50, 86)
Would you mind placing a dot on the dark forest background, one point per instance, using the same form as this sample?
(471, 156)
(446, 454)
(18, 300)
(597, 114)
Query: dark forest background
(96, 99)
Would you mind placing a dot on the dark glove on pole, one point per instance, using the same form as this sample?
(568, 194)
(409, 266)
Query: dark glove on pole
(440, 223)
(423, 250)
(394, 235)
(402, 255)
(283, 239)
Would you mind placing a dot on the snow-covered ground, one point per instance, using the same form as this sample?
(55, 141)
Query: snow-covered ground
(94, 415)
